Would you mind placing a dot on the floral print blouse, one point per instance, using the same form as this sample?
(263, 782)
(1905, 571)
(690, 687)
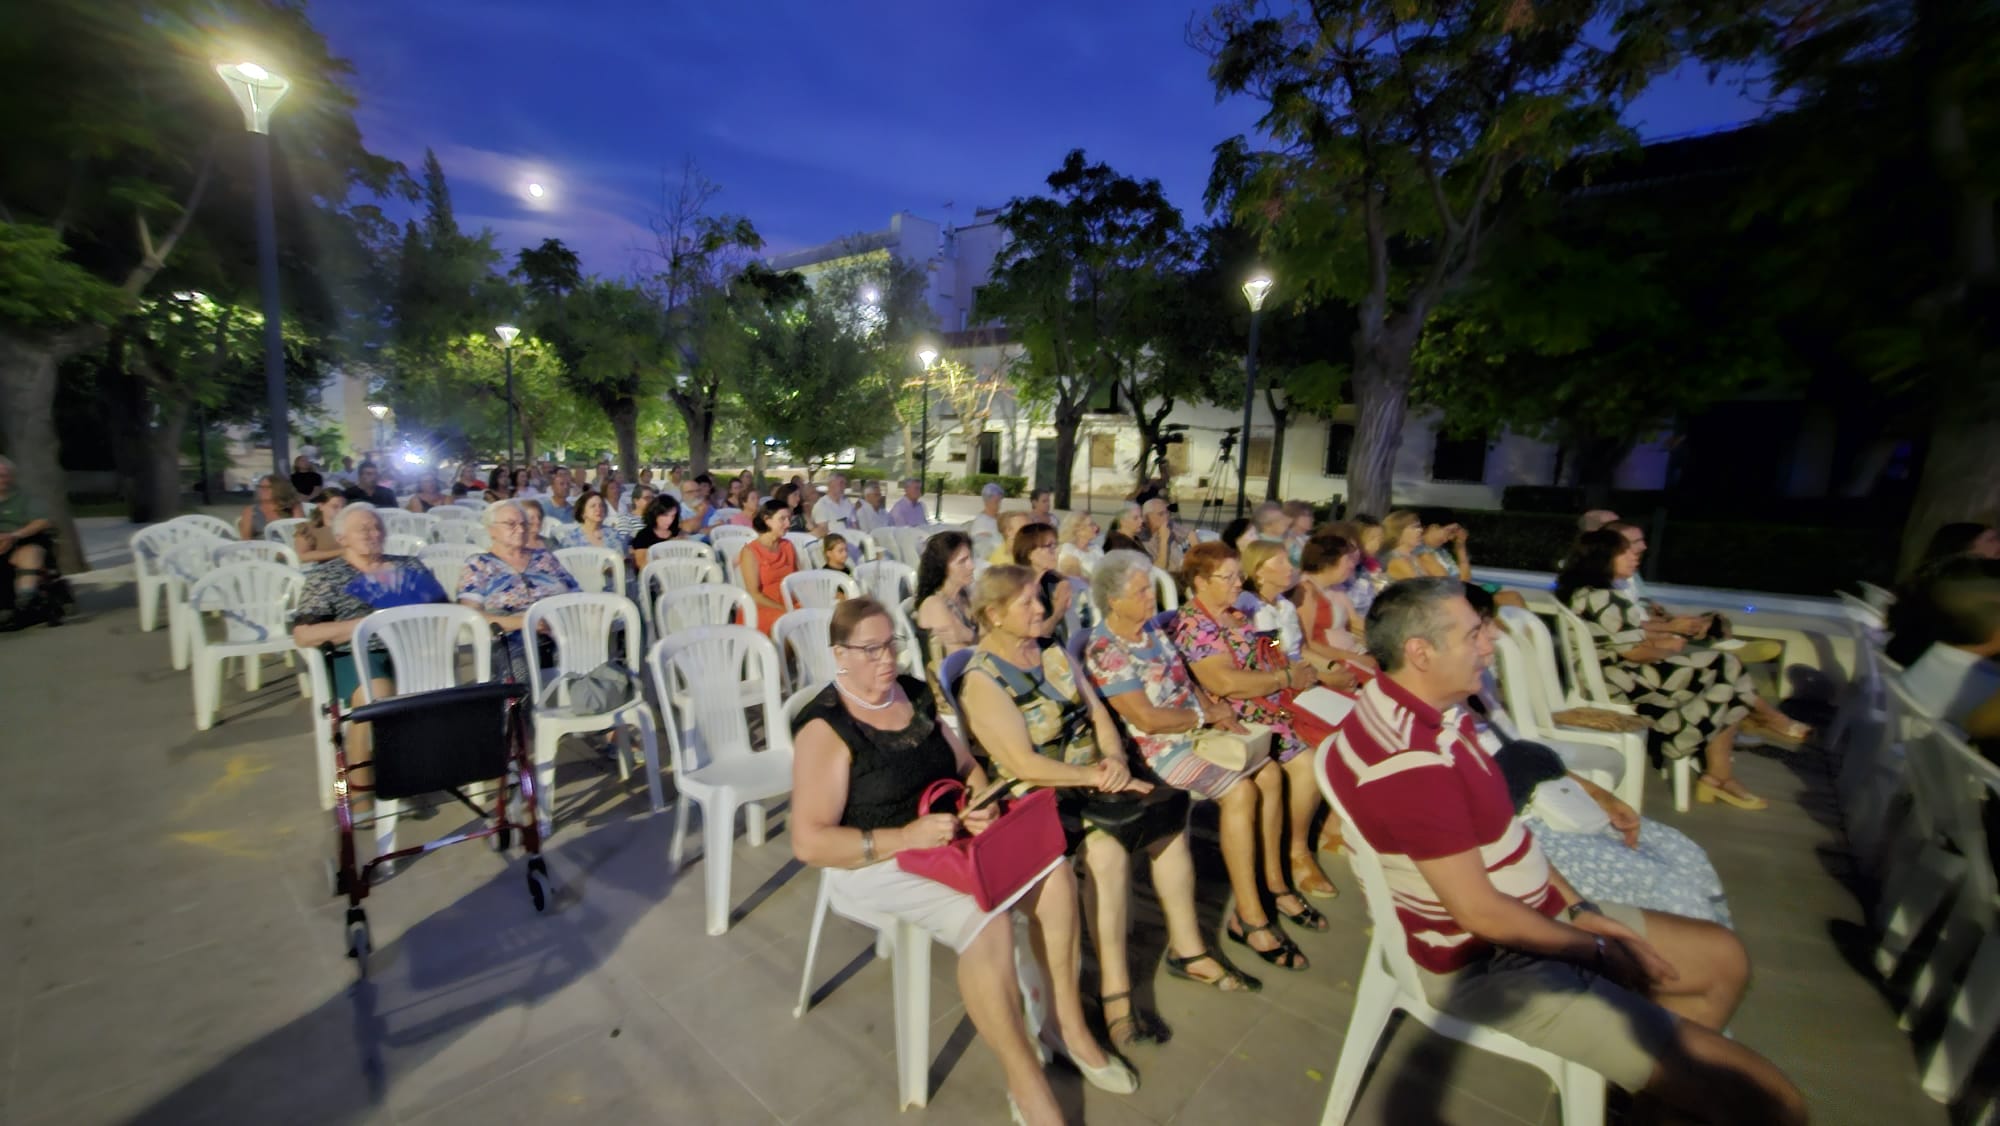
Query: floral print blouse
(1199, 637)
(496, 588)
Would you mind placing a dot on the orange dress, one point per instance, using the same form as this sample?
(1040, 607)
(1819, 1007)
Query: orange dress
(773, 564)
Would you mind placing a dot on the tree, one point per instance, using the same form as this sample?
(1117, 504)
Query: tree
(1398, 125)
(612, 340)
(885, 302)
(103, 182)
(1176, 344)
(1067, 282)
(814, 384)
(698, 254)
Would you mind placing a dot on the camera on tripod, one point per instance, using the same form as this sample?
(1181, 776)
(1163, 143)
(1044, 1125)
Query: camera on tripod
(1173, 434)
(1228, 441)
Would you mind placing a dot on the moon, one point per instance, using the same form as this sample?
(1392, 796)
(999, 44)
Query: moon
(535, 190)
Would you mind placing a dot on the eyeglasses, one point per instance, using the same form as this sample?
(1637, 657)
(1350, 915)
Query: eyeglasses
(1228, 577)
(887, 649)
(510, 523)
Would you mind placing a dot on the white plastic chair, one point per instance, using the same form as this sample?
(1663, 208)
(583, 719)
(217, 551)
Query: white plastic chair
(682, 549)
(318, 690)
(399, 522)
(584, 628)
(404, 545)
(1389, 982)
(254, 598)
(675, 572)
(457, 512)
(817, 589)
(700, 676)
(862, 544)
(811, 554)
(284, 531)
(150, 548)
(729, 541)
(262, 551)
(1165, 590)
(1588, 690)
(596, 569)
(214, 525)
(886, 580)
(703, 604)
(447, 562)
(186, 564)
(1533, 693)
(806, 633)
(465, 532)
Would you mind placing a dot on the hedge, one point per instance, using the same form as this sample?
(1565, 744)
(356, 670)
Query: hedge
(974, 482)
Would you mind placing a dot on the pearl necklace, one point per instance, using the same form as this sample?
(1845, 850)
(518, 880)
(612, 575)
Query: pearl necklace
(861, 703)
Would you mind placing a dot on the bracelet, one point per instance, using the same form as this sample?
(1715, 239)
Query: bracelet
(1200, 714)
(868, 850)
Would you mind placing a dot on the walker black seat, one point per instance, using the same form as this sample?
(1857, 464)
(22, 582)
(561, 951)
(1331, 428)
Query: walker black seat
(442, 740)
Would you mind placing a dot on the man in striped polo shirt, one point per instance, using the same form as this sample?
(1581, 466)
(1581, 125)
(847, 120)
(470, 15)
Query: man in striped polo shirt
(1498, 936)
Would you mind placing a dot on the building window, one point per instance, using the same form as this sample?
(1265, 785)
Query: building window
(1461, 460)
(1104, 451)
(1177, 463)
(1339, 443)
(1258, 455)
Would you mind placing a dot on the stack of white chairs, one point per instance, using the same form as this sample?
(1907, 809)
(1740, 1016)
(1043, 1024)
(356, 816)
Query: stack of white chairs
(596, 569)
(821, 589)
(1533, 693)
(447, 562)
(253, 600)
(701, 676)
(150, 547)
(584, 628)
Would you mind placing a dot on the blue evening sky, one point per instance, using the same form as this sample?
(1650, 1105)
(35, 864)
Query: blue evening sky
(817, 119)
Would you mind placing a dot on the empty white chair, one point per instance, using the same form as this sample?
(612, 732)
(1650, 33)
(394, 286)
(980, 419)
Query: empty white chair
(1587, 690)
(474, 504)
(1164, 589)
(674, 572)
(701, 675)
(467, 532)
(862, 543)
(729, 541)
(806, 634)
(703, 604)
(447, 562)
(459, 510)
(404, 545)
(214, 525)
(584, 628)
(886, 580)
(399, 522)
(1389, 982)
(186, 563)
(150, 547)
(254, 600)
(263, 551)
(821, 589)
(682, 549)
(811, 553)
(284, 531)
(1533, 692)
(596, 569)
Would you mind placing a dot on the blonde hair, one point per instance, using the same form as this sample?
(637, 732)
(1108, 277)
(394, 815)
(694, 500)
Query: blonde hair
(1072, 524)
(996, 587)
(1395, 524)
(1256, 553)
(282, 494)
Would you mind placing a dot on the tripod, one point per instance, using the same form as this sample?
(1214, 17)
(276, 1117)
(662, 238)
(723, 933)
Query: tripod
(1212, 505)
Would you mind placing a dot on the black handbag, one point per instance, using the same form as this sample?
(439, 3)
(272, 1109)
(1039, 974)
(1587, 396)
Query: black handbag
(1135, 821)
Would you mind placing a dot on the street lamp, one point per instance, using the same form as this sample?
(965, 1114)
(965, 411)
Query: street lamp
(927, 357)
(507, 333)
(1254, 292)
(257, 92)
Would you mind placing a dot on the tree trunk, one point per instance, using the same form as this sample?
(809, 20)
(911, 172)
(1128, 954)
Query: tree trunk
(1067, 422)
(624, 415)
(27, 418)
(701, 435)
(1960, 481)
(162, 482)
(122, 397)
(1381, 402)
(1274, 476)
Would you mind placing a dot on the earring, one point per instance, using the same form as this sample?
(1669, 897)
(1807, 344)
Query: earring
(840, 672)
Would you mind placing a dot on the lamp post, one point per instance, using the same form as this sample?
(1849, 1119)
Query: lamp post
(507, 333)
(381, 435)
(1254, 291)
(257, 92)
(927, 356)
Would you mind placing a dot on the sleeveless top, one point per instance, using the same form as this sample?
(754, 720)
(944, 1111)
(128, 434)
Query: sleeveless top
(1057, 714)
(890, 768)
(773, 564)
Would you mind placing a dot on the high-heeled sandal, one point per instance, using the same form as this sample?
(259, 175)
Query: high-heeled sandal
(1232, 980)
(1307, 878)
(1286, 955)
(1708, 791)
(1141, 1026)
(1307, 915)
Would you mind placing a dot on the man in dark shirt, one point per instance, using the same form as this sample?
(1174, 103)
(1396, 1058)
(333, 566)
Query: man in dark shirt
(367, 487)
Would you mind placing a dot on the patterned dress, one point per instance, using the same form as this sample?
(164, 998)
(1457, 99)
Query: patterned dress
(1154, 666)
(1689, 696)
(1200, 637)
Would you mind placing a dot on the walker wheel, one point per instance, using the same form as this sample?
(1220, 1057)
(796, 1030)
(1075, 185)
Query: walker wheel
(358, 945)
(539, 888)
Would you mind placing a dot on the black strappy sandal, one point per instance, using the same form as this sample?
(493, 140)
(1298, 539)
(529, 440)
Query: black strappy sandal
(1144, 1027)
(1286, 955)
(1178, 967)
(1308, 916)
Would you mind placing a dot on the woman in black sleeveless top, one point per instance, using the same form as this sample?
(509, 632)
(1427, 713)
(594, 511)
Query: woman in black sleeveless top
(865, 749)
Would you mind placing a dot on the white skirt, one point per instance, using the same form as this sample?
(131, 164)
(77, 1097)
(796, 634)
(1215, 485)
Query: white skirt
(948, 915)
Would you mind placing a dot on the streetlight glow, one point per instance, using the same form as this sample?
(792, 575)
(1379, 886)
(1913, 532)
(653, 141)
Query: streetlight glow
(871, 295)
(257, 92)
(506, 333)
(1255, 289)
(253, 72)
(379, 410)
(928, 356)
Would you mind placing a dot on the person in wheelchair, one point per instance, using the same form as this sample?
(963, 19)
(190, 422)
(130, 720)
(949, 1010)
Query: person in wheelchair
(28, 574)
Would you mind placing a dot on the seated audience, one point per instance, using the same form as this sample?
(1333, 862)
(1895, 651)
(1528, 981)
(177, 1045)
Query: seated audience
(1165, 540)
(662, 525)
(1594, 519)
(1131, 521)
(838, 554)
(1041, 506)
(865, 749)
(275, 501)
(1327, 618)
(592, 527)
(943, 601)
(986, 525)
(1957, 679)
(1010, 524)
(908, 511)
(510, 577)
(1402, 541)
(1023, 705)
(1140, 674)
(765, 561)
(868, 513)
(314, 542)
(429, 493)
(1239, 533)
(834, 510)
(1079, 554)
(1695, 697)
(1499, 937)
(1232, 663)
(367, 486)
(305, 479)
(1034, 547)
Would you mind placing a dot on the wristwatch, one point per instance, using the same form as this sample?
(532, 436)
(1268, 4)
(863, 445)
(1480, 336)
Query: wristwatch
(1579, 907)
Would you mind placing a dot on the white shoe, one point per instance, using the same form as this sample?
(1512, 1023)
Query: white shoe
(1116, 1076)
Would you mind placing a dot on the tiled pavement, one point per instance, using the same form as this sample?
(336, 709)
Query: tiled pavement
(169, 954)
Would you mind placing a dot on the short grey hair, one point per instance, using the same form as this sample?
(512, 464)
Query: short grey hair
(349, 511)
(1413, 608)
(492, 511)
(992, 491)
(917, 481)
(1108, 580)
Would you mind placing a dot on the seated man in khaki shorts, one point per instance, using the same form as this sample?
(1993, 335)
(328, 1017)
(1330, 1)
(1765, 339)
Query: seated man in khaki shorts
(1498, 936)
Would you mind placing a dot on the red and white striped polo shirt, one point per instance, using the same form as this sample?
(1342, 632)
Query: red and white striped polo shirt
(1418, 786)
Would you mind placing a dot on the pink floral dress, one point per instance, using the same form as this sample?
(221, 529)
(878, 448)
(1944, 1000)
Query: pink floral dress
(1199, 637)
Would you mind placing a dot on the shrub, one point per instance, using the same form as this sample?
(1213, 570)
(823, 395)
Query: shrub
(974, 482)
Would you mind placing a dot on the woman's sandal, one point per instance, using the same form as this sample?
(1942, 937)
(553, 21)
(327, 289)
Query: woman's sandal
(1307, 877)
(1306, 916)
(1286, 955)
(1789, 735)
(1707, 790)
(1138, 1026)
(1232, 980)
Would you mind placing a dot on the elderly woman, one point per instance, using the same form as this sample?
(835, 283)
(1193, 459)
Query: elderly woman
(1233, 662)
(1696, 697)
(865, 749)
(1022, 702)
(1139, 673)
(662, 524)
(348, 587)
(429, 493)
(514, 575)
(593, 527)
(944, 597)
(275, 501)
(1078, 554)
(1402, 545)
(314, 541)
(765, 561)
(1034, 547)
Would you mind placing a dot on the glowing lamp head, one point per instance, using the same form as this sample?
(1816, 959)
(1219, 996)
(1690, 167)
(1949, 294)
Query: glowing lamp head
(1255, 290)
(378, 410)
(506, 333)
(928, 356)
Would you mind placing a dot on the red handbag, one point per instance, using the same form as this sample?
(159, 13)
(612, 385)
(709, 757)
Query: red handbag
(1024, 839)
